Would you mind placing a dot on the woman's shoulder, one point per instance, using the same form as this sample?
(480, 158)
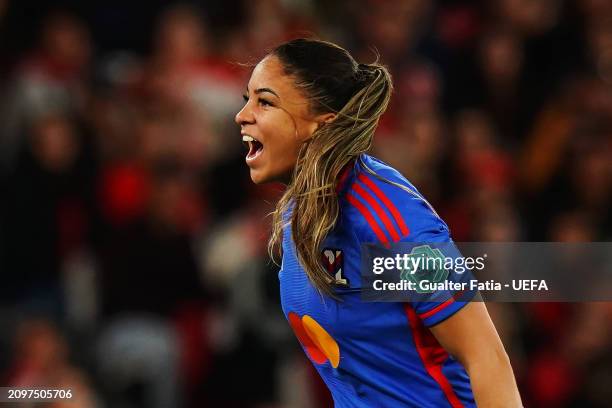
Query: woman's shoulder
(380, 204)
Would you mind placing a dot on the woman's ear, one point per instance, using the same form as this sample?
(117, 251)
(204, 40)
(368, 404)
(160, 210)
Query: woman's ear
(326, 118)
(319, 121)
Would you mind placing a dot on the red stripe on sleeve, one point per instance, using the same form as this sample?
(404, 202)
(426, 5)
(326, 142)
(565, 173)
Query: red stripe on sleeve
(441, 306)
(382, 197)
(368, 216)
(436, 309)
(378, 209)
(432, 355)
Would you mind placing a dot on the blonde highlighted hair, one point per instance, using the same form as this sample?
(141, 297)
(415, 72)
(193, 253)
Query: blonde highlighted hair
(359, 94)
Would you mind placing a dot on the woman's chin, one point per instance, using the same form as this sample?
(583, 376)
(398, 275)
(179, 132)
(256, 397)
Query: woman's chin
(258, 177)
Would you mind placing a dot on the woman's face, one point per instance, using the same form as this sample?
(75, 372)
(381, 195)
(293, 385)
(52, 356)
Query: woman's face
(274, 122)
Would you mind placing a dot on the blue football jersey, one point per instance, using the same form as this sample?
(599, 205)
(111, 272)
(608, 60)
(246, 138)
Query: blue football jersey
(373, 354)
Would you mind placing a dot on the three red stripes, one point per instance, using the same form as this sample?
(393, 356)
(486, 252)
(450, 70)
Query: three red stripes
(396, 214)
(378, 209)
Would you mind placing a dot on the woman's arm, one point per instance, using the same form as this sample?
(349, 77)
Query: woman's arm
(470, 336)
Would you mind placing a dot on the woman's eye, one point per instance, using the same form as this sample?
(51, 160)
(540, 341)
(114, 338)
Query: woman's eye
(261, 101)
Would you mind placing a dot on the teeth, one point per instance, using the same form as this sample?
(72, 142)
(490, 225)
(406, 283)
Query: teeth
(247, 138)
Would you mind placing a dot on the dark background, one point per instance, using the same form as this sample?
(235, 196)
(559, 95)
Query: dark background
(132, 242)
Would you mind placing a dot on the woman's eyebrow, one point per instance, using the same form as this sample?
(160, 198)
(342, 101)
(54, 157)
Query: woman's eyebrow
(262, 90)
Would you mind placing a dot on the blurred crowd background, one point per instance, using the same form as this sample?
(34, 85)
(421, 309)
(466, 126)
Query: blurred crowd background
(133, 266)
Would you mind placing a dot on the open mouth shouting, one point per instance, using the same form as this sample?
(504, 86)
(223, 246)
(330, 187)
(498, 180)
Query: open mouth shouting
(254, 145)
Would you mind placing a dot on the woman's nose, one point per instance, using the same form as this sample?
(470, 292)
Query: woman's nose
(244, 116)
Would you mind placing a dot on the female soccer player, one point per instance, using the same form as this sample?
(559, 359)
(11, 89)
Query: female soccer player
(309, 117)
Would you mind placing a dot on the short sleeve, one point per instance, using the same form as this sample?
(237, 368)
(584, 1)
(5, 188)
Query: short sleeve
(443, 303)
(387, 213)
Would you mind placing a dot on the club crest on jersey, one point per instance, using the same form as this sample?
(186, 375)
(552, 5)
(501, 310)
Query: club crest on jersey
(333, 261)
